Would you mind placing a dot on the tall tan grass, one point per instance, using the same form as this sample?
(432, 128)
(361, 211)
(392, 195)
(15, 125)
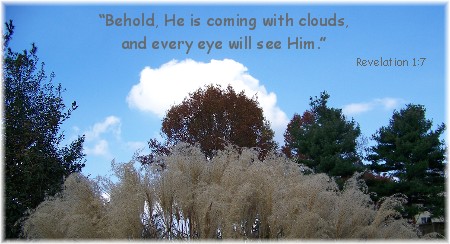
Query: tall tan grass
(232, 196)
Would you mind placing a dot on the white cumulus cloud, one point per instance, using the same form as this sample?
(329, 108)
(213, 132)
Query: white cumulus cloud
(160, 88)
(386, 103)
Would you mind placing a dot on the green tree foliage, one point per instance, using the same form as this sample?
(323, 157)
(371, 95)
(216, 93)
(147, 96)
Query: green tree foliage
(213, 117)
(234, 195)
(323, 139)
(35, 163)
(410, 151)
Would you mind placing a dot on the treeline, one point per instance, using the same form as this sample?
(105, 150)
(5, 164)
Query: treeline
(408, 156)
(217, 173)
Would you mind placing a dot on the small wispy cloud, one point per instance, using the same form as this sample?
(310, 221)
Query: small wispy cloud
(357, 108)
(101, 148)
(105, 136)
(96, 143)
(389, 103)
(110, 124)
(136, 145)
(386, 103)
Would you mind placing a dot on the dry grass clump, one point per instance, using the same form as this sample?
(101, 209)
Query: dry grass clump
(75, 213)
(127, 200)
(82, 211)
(233, 195)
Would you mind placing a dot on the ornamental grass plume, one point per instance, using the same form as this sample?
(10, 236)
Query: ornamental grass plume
(77, 212)
(125, 208)
(233, 195)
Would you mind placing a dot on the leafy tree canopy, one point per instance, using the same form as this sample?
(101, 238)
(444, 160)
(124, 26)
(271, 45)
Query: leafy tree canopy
(410, 151)
(323, 139)
(35, 162)
(213, 117)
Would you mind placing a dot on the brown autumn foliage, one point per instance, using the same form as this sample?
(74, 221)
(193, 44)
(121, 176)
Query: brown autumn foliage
(213, 117)
(234, 195)
(296, 123)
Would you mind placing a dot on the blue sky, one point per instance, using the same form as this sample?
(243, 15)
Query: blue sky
(123, 94)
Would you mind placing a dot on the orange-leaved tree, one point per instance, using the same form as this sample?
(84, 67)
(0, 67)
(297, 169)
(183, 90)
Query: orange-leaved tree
(214, 117)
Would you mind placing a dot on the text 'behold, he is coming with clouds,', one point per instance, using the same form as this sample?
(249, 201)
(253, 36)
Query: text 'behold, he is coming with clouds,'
(244, 42)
